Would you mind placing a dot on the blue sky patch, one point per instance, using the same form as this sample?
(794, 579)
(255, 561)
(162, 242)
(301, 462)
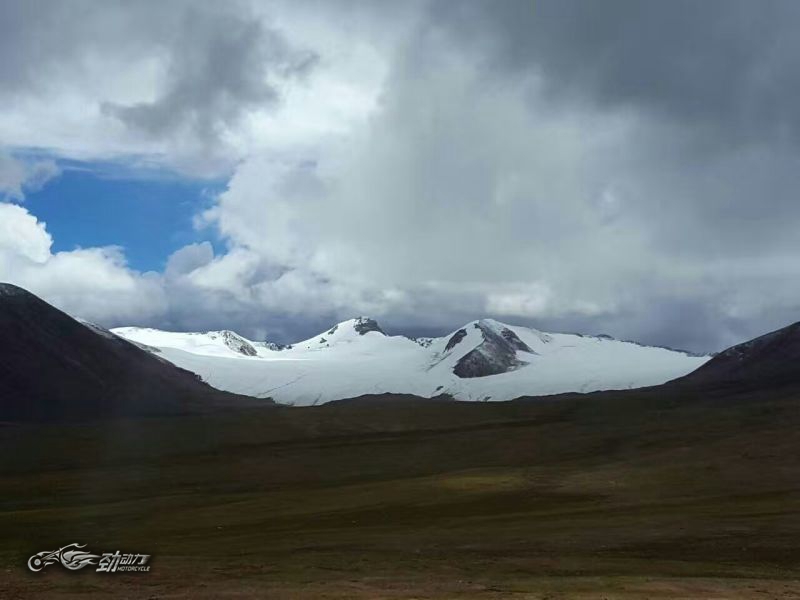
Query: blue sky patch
(148, 214)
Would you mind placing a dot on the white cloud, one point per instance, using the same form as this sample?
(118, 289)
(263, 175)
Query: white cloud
(188, 259)
(535, 301)
(409, 208)
(19, 176)
(93, 283)
(22, 236)
(464, 194)
(193, 86)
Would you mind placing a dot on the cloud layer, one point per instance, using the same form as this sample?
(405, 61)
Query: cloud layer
(630, 168)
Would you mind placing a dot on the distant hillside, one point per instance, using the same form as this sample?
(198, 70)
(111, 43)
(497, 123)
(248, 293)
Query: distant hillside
(53, 367)
(772, 360)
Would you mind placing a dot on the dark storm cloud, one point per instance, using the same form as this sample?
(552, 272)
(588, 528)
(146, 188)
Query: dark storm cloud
(729, 65)
(25, 45)
(47, 41)
(220, 66)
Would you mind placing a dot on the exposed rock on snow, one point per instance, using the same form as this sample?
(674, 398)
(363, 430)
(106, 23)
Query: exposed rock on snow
(236, 343)
(422, 341)
(275, 347)
(364, 325)
(496, 354)
(455, 339)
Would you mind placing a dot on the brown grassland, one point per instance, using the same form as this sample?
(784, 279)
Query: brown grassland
(650, 494)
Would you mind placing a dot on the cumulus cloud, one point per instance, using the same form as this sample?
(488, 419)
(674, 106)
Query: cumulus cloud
(414, 210)
(188, 259)
(93, 283)
(501, 176)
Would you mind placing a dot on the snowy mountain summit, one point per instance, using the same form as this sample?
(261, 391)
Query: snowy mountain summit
(496, 354)
(483, 360)
(213, 343)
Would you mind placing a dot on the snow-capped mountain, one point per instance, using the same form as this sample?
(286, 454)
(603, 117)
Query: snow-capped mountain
(484, 360)
(211, 343)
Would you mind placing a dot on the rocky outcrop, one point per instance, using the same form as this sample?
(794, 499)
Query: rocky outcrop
(237, 343)
(496, 354)
(364, 325)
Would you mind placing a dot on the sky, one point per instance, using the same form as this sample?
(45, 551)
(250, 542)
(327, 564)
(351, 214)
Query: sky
(627, 167)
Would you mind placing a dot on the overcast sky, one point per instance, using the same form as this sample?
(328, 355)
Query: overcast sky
(628, 167)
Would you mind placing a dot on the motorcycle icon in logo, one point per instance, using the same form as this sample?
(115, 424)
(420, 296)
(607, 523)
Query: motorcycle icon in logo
(70, 556)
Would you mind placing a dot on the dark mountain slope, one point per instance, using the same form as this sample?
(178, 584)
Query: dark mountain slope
(769, 361)
(53, 367)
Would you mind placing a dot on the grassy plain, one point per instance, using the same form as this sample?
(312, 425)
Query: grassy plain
(615, 495)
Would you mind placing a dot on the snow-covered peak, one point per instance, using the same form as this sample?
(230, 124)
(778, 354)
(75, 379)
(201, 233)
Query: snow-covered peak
(357, 325)
(482, 348)
(476, 333)
(345, 332)
(210, 343)
(364, 325)
(490, 324)
(505, 330)
(235, 342)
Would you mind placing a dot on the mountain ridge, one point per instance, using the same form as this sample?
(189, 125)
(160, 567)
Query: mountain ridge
(143, 370)
(421, 340)
(483, 360)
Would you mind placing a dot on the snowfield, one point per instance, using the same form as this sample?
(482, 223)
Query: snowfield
(494, 361)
